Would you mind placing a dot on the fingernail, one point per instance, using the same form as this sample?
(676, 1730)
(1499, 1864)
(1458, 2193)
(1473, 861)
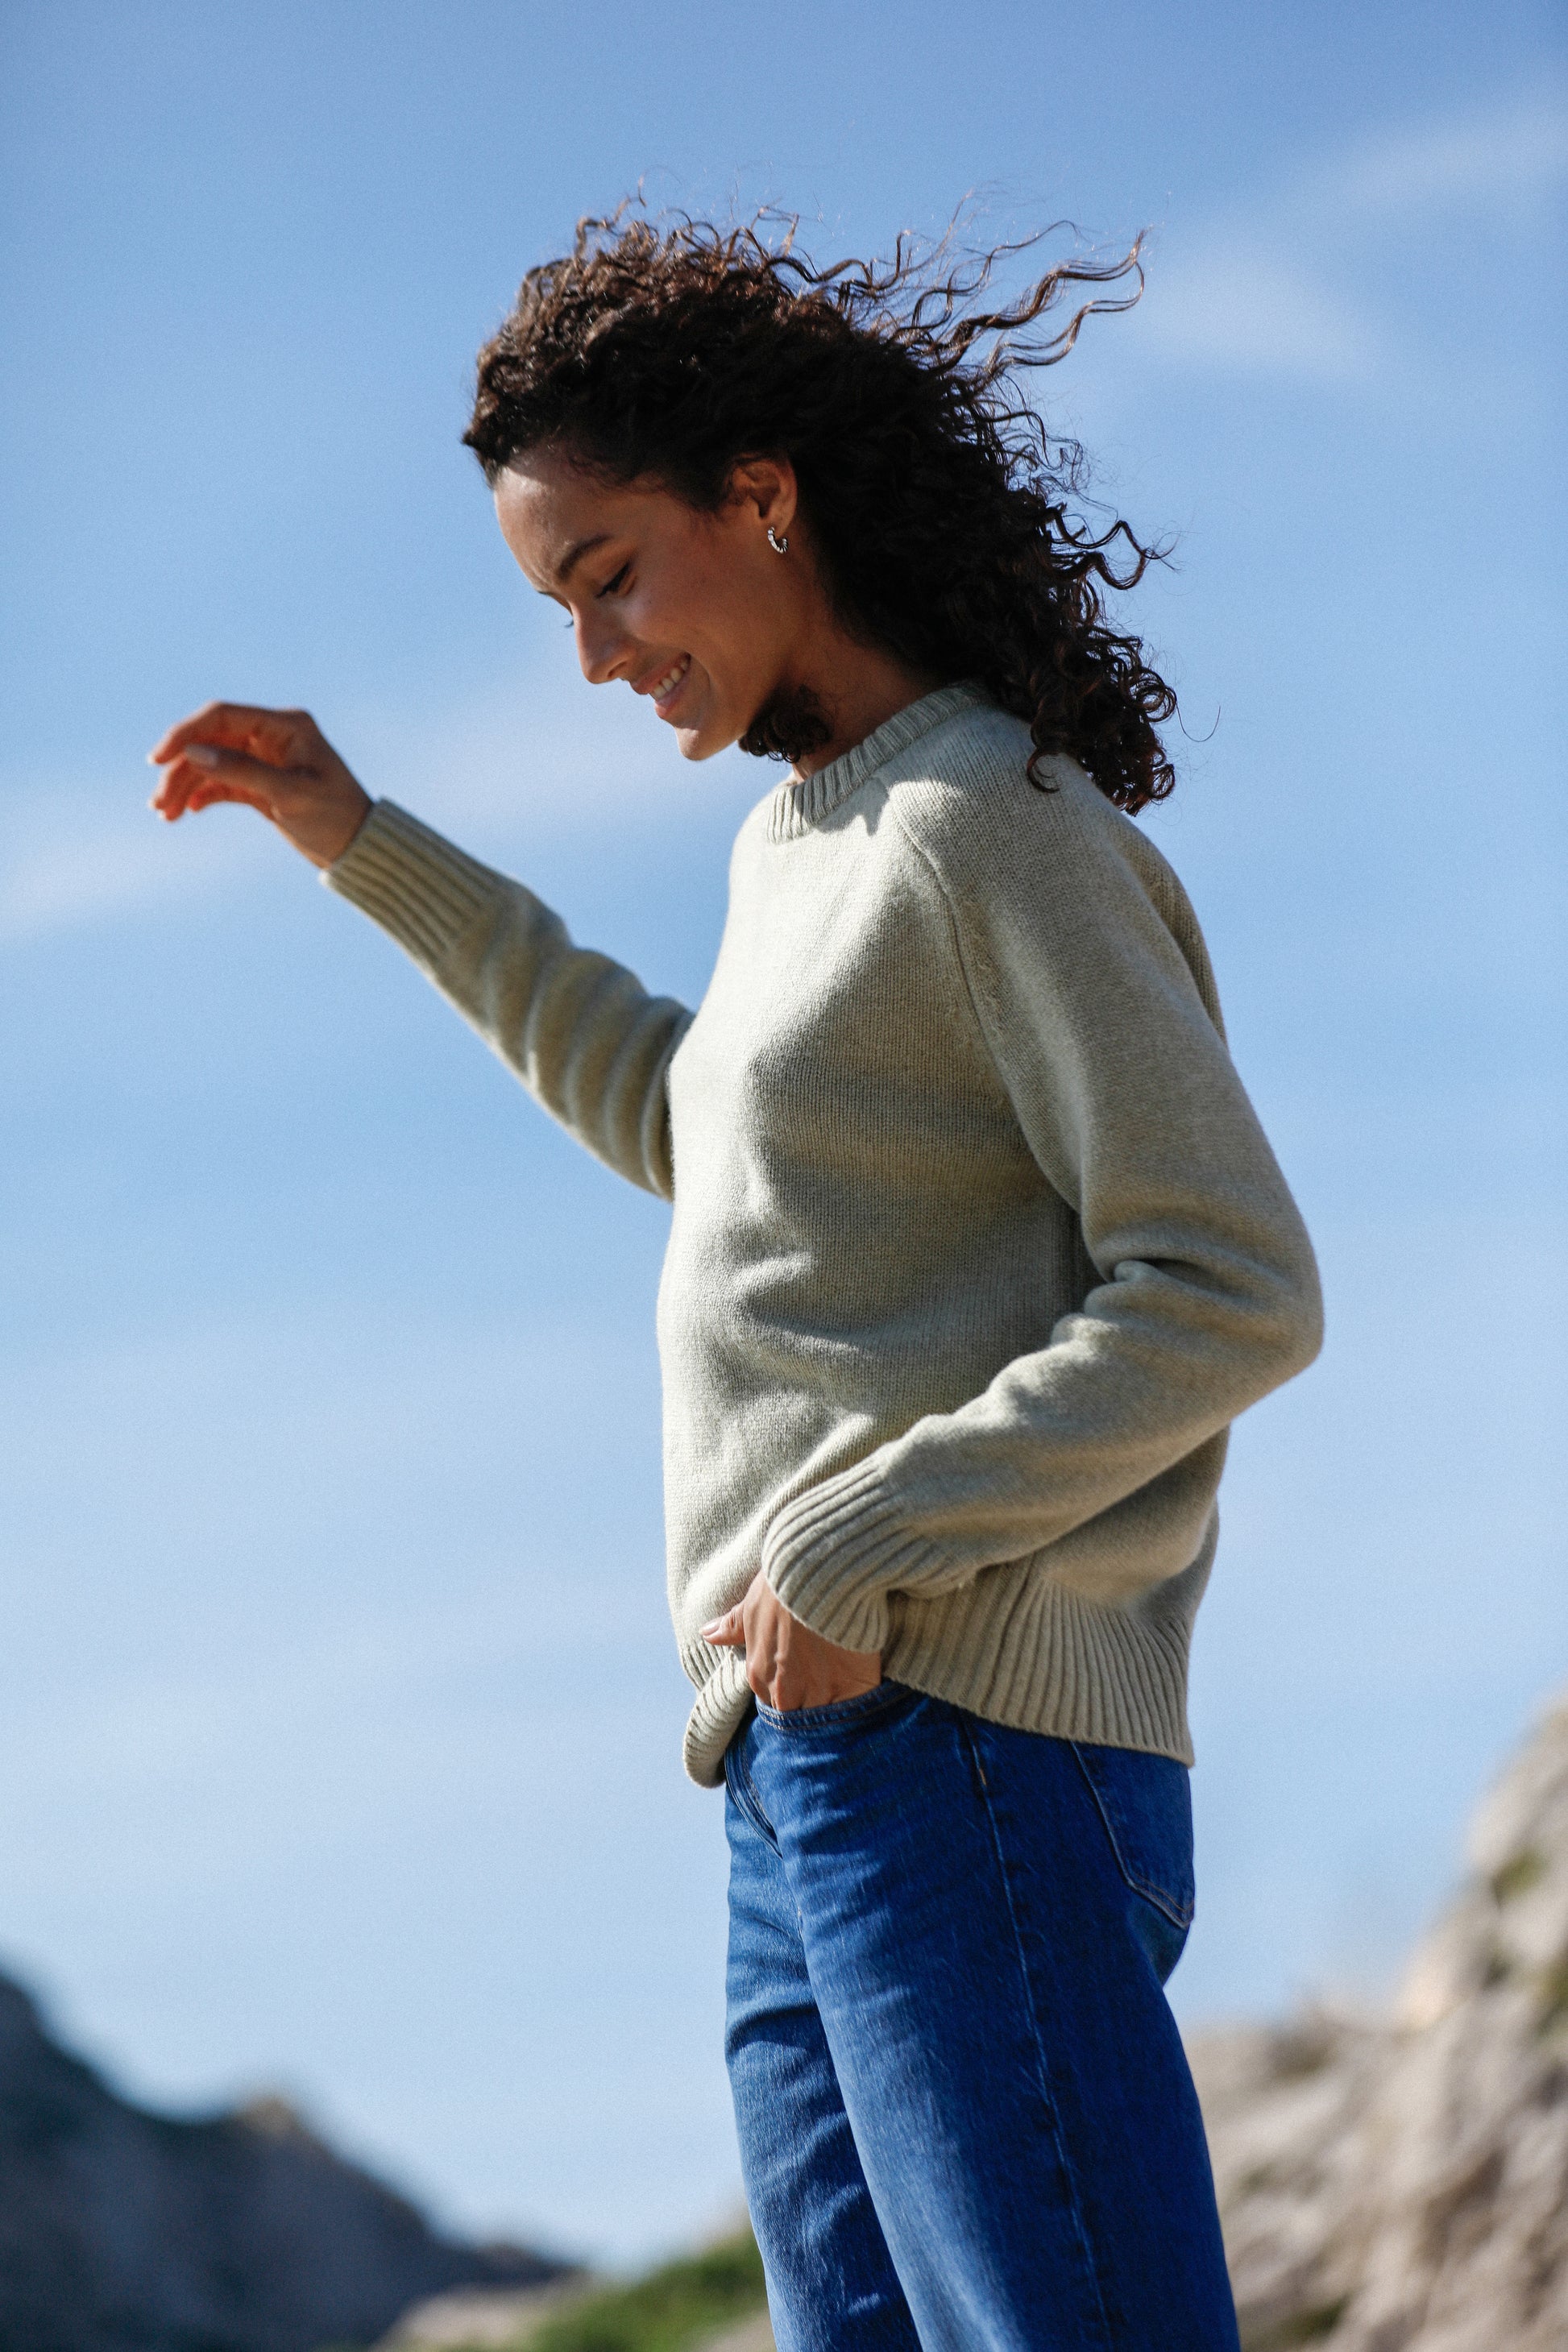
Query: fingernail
(711, 1628)
(201, 755)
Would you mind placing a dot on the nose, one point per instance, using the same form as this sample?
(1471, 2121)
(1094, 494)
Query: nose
(602, 652)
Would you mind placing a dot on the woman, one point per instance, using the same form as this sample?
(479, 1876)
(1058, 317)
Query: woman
(976, 1247)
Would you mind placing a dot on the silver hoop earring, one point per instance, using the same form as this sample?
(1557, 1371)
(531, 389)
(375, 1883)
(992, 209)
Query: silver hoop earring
(780, 546)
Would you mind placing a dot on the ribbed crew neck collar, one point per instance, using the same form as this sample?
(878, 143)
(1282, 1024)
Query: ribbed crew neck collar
(797, 806)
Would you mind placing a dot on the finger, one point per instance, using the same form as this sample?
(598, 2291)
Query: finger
(175, 785)
(725, 1633)
(243, 726)
(172, 795)
(280, 737)
(203, 768)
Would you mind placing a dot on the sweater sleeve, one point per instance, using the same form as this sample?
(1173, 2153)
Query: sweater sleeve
(1089, 982)
(581, 1032)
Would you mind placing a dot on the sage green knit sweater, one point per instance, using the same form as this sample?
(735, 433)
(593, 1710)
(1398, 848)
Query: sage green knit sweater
(977, 1245)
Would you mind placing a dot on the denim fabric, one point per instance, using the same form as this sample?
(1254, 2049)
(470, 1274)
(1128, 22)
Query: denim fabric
(965, 2118)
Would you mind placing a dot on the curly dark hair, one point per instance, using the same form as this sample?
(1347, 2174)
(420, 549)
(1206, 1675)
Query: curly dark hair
(942, 511)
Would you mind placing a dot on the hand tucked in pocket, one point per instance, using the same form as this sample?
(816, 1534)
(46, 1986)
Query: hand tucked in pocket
(786, 1664)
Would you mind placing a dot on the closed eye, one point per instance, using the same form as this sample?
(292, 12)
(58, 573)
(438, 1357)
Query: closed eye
(612, 587)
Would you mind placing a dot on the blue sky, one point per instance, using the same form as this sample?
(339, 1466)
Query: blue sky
(339, 1715)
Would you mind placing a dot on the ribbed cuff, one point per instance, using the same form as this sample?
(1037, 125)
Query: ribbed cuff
(413, 882)
(836, 1552)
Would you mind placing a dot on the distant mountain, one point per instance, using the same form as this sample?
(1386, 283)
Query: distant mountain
(123, 2231)
(1388, 2183)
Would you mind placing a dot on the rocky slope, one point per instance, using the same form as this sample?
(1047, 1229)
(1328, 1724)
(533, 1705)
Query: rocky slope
(1395, 2184)
(121, 2230)
(1398, 2183)
(1401, 2184)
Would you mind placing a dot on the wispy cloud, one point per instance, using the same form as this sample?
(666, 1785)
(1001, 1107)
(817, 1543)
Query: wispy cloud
(77, 856)
(1509, 154)
(1235, 302)
(1289, 285)
(544, 757)
(547, 754)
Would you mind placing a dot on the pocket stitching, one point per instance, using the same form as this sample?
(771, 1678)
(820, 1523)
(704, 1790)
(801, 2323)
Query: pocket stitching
(1179, 1913)
(740, 1784)
(858, 1709)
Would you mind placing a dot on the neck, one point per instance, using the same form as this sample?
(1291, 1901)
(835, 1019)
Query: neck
(857, 694)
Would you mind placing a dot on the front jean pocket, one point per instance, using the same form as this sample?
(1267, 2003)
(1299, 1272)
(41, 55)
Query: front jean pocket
(867, 1706)
(740, 1788)
(1146, 1804)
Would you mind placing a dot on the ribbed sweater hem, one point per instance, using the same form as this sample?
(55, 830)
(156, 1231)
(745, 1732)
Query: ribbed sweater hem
(1016, 1648)
(415, 885)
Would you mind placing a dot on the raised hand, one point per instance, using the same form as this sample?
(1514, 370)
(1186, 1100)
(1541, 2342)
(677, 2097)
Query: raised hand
(786, 1663)
(275, 760)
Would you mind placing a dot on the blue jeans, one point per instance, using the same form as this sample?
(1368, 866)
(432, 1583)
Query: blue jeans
(965, 2118)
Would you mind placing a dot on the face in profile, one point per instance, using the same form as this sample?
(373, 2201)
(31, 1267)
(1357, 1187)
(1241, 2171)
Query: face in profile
(695, 609)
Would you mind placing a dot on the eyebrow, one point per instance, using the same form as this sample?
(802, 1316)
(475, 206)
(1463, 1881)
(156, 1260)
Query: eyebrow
(573, 555)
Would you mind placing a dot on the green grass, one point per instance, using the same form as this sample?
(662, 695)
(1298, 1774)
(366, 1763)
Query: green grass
(670, 2309)
(1518, 1874)
(1302, 2327)
(1551, 1987)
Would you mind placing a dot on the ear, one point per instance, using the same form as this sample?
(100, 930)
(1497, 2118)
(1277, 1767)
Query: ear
(765, 487)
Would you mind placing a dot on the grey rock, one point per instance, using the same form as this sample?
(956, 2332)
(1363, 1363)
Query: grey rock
(471, 2318)
(1400, 2183)
(123, 2230)
(750, 2335)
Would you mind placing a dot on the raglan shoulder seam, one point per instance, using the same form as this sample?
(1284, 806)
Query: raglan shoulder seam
(955, 932)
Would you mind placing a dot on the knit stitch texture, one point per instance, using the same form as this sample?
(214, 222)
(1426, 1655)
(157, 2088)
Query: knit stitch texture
(977, 1246)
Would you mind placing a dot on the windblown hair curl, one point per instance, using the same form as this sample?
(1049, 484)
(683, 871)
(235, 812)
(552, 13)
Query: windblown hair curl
(941, 509)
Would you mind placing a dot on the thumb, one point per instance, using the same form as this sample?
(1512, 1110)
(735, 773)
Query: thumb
(725, 1633)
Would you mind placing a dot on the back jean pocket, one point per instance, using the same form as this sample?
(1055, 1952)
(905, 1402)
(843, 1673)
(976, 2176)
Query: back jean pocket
(1146, 1804)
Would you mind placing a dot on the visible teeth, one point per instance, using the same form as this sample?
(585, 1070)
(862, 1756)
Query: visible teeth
(670, 680)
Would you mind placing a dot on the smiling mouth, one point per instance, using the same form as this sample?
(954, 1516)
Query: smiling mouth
(665, 689)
